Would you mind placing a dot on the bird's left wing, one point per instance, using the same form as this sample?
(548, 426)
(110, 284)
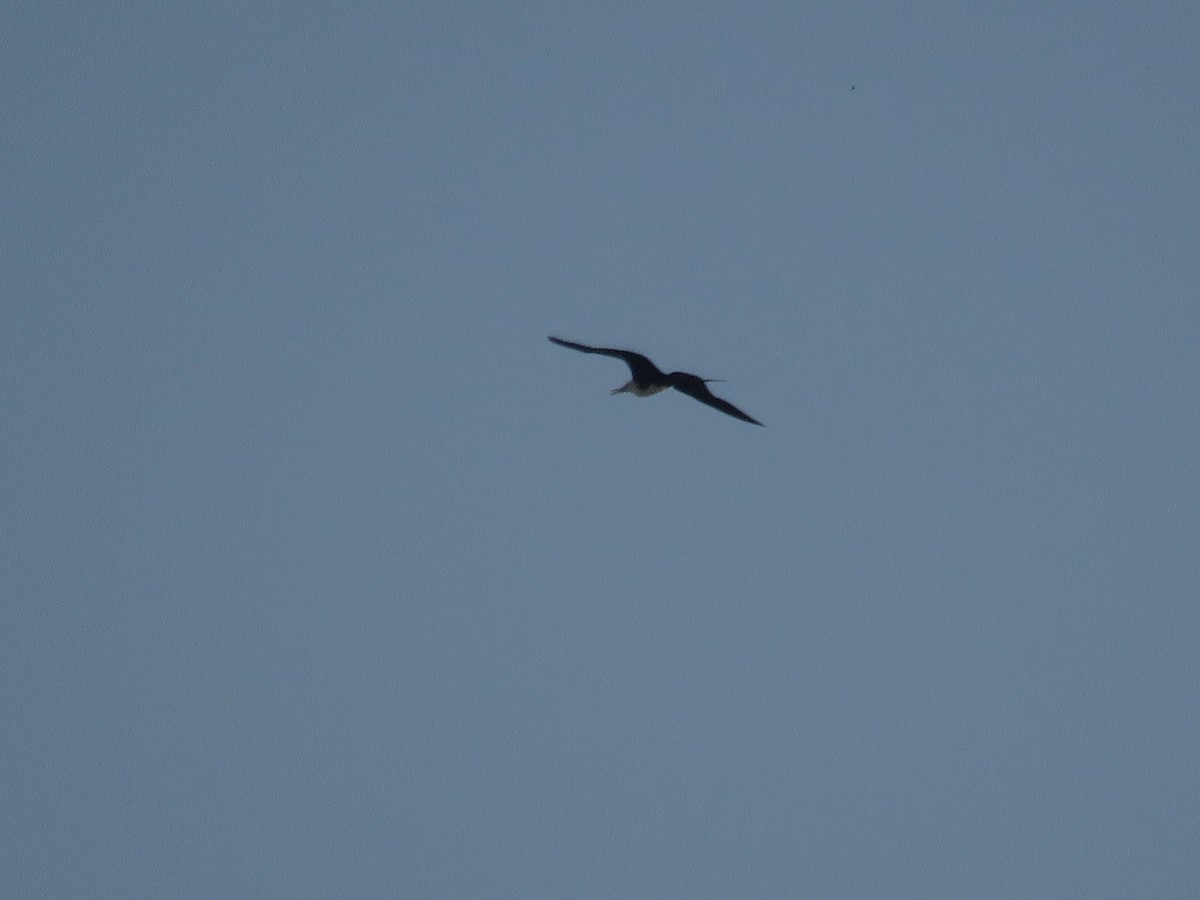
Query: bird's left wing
(639, 365)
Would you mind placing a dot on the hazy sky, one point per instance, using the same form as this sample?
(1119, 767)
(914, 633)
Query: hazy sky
(326, 575)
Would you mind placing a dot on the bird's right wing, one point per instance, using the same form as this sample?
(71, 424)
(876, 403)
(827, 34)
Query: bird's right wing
(696, 389)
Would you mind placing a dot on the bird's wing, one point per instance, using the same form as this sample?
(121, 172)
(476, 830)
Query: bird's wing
(640, 366)
(695, 388)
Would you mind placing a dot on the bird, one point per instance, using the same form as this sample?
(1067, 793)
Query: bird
(648, 379)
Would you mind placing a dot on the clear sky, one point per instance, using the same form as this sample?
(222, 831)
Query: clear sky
(324, 574)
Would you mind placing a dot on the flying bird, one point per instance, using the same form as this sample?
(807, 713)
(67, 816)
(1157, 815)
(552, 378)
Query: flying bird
(648, 379)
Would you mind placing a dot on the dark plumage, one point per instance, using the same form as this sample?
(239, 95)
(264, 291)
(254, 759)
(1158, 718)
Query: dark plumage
(648, 379)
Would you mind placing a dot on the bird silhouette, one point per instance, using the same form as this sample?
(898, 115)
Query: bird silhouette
(649, 379)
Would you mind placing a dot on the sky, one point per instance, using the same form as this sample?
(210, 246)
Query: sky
(325, 574)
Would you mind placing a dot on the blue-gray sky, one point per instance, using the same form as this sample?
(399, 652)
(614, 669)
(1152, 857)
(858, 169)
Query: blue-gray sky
(325, 574)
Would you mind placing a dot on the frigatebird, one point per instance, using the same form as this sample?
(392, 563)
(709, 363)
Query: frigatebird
(648, 379)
